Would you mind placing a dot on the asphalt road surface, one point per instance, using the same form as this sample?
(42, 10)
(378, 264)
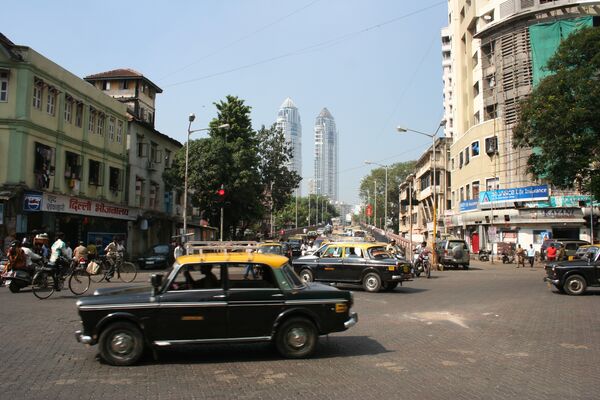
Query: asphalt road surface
(492, 332)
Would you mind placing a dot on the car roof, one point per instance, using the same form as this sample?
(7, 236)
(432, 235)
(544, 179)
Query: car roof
(362, 245)
(272, 260)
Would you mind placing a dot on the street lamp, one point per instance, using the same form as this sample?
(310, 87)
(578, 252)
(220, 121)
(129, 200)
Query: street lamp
(191, 119)
(386, 190)
(433, 179)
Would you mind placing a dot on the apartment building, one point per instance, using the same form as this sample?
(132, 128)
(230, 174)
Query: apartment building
(498, 53)
(63, 151)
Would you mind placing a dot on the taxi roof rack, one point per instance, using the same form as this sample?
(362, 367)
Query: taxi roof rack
(199, 246)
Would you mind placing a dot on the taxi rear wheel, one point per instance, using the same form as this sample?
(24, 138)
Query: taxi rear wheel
(296, 338)
(121, 343)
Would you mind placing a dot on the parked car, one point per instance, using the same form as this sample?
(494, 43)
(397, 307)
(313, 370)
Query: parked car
(581, 251)
(295, 244)
(209, 298)
(571, 246)
(364, 263)
(158, 256)
(574, 277)
(280, 248)
(453, 252)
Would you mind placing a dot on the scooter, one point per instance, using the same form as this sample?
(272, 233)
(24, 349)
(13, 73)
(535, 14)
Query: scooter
(18, 279)
(484, 255)
(508, 258)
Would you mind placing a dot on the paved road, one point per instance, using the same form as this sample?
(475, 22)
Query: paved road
(493, 332)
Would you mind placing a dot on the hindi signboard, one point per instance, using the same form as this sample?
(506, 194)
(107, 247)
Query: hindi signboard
(92, 208)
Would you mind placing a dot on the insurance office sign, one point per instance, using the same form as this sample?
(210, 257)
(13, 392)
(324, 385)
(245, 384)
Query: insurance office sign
(528, 193)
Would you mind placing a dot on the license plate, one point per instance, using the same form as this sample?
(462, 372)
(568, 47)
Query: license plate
(149, 262)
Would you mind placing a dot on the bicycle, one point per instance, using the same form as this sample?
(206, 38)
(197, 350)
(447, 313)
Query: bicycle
(124, 270)
(49, 279)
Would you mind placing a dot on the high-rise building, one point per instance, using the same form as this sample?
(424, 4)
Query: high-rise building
(498, 53)
(288, 120)
(326, 156)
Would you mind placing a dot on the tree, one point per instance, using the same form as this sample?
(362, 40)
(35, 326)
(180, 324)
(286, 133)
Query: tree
(228, 157)
(286, 217)
(560, 118)
(397, 173)
(274, 154)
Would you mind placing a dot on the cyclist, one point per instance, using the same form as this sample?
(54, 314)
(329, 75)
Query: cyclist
(57, 250)
(114, 251)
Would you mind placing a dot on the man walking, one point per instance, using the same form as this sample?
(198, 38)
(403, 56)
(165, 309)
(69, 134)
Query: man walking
(531, 255)
(520, 256)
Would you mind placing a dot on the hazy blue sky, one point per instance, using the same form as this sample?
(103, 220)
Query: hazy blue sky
(318, 52)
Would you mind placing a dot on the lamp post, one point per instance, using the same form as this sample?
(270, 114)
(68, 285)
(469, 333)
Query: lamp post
(433, 180)
(191, 119)
(386, 190)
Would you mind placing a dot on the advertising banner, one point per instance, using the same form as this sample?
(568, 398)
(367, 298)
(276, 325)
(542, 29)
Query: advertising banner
(92, 208)
(529, 193)
(468, 205)
(32, 201)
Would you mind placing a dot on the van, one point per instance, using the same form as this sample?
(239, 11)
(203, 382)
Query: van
(453, 252)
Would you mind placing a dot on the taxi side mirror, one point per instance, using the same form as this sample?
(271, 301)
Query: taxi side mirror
(156, 280)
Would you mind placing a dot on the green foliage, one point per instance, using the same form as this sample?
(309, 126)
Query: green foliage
(274, 155)
(286, 217)
(560, 118)
(397, 173)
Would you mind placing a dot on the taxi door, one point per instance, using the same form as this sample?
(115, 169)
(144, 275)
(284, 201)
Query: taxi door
(354, 264)
(330, 264)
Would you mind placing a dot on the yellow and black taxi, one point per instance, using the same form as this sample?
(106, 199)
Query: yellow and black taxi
(281, 248)
(232, 296)
(574, 277)
(364, 263)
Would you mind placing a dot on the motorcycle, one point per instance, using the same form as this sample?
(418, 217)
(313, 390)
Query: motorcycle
(18, 279)
(484, 255)
(417, 265)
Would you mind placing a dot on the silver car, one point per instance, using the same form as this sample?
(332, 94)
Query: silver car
(453, 252)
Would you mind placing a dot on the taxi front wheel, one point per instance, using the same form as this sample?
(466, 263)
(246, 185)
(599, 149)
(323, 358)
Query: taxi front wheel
(296, 338)
(121, 343)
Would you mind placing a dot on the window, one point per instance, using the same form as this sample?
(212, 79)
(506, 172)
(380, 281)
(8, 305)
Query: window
(51, 103)
(111, 129)
(3, 86)
(142, 148)
(68, 109)
(100, 127)
(167, 158)
(197, 277)
(475, 186)
(38, 87)
(105, 85)
(467, 192)
(333, 252)
(491, 146)
(452, 164)
(476, 89)
(492, 184)
(119, 131)
(155, 154)
(142, 113)
(476, 118)
(462, 194)
(460, 160)
(96, 175)
(115, 183)
(79, 115)
(43, 166)
(72, 165)
(124, 84)
(475, 149)
(153, 196)
(425, 181)
(91, 120)
(140, 188)
(247, 276)
(467, 156)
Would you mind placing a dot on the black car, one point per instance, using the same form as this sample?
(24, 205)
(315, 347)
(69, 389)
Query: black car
(296, 246)
(158, 256)
(574, 277)
(226, 297)
(367, 264)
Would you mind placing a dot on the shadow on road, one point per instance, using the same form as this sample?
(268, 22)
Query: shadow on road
(328, 347)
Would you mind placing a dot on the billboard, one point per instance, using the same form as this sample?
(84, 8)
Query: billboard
(529, 193)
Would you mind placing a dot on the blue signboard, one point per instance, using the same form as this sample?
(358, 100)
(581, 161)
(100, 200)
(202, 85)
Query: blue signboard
(32, 201)
(468, 205)
(529, 193)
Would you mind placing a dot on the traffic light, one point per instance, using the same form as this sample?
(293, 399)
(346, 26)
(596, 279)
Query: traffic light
(221, 194)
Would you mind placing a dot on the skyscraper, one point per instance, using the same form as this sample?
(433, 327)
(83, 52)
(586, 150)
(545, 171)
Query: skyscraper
(326, 156)
(288, 120)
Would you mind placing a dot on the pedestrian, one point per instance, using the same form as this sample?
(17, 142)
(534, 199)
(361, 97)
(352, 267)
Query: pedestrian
(531, 255)
(551, 253)
(92, 251)
(178, 251)
(560, 255)
(520, 256)
(80, 252)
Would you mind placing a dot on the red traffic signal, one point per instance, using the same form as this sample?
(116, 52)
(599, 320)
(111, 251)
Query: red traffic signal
(221, 192)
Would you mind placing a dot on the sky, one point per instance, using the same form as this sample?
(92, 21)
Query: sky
(375, 64)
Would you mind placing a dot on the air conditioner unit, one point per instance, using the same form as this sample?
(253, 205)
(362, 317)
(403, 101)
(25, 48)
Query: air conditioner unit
(491, 146)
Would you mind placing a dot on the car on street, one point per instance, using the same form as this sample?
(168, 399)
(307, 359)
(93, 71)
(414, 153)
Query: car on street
(280, 248)
(211, 298)
(157, 257)
(571, 246)
(574, 277)
(295, 244)
(453, 252)
(364, 263)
